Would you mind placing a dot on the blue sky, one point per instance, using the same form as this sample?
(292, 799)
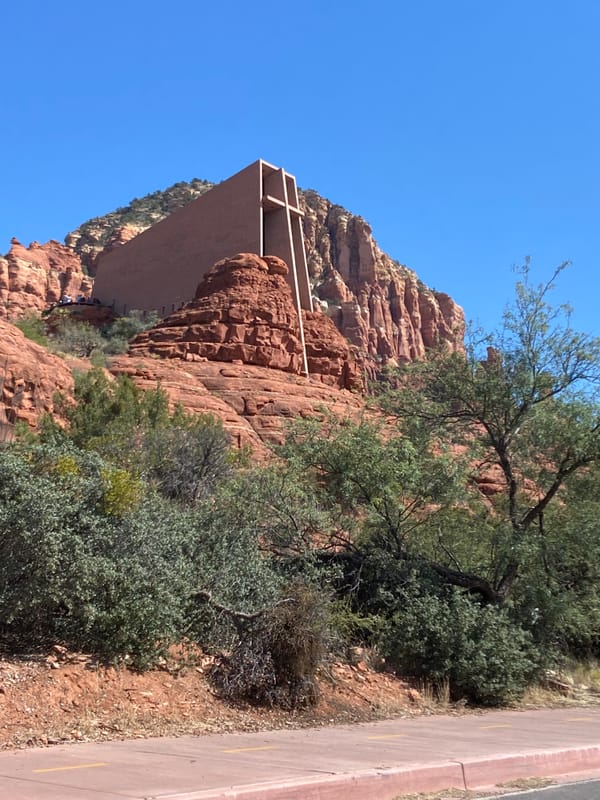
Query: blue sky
(467, 132)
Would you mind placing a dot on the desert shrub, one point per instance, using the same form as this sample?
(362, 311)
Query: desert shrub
(276, 659)
(183, 456)
(134, 322)
(111, 414)
(136, 575)
(32, 326)
(483, 655)
(74, 570)
(87, 341)
(77, 338)
(121, 491)
(186, 459)
(120, 332)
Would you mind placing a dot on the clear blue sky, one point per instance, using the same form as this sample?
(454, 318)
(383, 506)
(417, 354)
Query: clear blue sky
(467, 132)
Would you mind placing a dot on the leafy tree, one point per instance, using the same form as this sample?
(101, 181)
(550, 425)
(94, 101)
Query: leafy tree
(79, 338)
(527, 407)
(379, 486)
(560, 599)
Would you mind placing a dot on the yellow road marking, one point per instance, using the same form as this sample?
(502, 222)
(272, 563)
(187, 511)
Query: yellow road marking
(388, 736)
(489, 727)
(250, 749)
(579, 719)
(75, 766)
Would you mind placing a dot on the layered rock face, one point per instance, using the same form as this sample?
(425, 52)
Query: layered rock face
(30, 379)
(254, 403)
(34, 277)
(379, 305)
(243, 312)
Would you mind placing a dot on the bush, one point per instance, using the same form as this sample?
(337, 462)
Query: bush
(33, 328)
(276, 659)
(186, 459)
(125, 328)
(77, 338)
(182, 456)
(77, 566)
(477, 649)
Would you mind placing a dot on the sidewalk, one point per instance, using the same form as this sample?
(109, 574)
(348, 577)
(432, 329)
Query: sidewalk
(376, 761)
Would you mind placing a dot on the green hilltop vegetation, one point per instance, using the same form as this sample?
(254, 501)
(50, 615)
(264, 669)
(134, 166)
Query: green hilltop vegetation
(135, 528)
(141, 212)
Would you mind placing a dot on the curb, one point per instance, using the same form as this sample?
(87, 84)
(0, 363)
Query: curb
(484, 772)
(387, 784)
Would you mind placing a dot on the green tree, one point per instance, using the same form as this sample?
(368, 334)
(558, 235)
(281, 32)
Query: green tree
(79, 338)
(526, 406)
(380, 485)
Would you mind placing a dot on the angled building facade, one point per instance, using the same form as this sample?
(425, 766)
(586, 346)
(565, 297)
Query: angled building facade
(254, 211)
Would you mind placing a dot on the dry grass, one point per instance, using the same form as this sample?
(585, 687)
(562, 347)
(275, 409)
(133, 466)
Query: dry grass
(576, 683)
(436, 696)
(496, 792)
(582, 674)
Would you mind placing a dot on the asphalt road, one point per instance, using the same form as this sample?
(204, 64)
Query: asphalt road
(589, 790)
(377, 761)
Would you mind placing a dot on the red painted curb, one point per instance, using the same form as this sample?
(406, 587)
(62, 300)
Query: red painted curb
(387, 784)
(484, 772)
(372, 784)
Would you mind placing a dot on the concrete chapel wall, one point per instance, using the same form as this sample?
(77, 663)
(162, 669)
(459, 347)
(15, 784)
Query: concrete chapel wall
(254, 211)
(160, 268)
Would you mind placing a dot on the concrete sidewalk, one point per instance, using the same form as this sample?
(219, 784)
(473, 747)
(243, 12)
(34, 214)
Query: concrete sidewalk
(376, 761)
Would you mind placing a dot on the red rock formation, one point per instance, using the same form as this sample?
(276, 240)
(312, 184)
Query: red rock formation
(254, 403)
(376, 303)
(243, 312)
(30, 379)
(330, 358)
(34, 277)
(379, 305)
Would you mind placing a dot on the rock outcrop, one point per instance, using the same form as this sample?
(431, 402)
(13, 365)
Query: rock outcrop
(34, 277)
(254, 403)
(243, 312)
(30, 378)
(379, 305)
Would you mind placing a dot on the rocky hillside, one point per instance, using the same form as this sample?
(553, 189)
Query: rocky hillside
(31, 379)
(33, 278)
(238, 336)
(243, 313)
(119, 226)
(375, 302)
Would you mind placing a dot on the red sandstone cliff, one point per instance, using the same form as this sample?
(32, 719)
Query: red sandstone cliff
(243, 312)
(34, 277)
(378, 305)
(254, 403)
(30, 378)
